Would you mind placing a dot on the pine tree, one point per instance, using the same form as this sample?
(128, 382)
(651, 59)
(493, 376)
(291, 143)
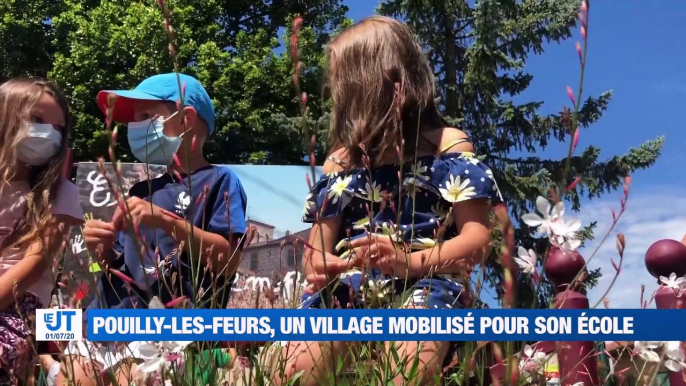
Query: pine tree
(479, 52)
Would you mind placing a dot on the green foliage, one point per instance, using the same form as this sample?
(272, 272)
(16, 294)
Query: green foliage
(26, 36)
(232, 47)
(239, 49)
(479, 51)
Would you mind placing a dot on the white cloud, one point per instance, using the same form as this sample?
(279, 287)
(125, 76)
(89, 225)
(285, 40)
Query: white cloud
(659, 213)
(672, 83)
(651, 215)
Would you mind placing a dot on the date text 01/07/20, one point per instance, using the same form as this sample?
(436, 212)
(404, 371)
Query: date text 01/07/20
(57, 336)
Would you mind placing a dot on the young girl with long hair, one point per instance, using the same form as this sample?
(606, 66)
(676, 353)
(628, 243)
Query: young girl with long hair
(402, 213)
(37, 210)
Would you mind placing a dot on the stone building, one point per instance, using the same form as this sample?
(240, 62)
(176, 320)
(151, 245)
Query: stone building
(263, 232)
(269, 257)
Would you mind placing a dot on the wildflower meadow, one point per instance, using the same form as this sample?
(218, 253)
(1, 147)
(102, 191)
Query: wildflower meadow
(535, 260)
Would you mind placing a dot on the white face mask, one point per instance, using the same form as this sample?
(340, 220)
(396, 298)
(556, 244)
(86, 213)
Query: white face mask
(41, 143)
(150, 145)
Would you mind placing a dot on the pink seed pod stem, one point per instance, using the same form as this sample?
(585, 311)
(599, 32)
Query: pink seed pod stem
(570, 93)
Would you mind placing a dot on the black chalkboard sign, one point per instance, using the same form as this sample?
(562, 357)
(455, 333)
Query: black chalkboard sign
(98, 201)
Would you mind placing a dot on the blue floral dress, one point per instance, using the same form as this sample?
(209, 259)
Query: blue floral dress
(414, 214)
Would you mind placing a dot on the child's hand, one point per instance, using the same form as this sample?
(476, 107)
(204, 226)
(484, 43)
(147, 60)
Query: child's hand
(142, 213)
(99, 237)
(383, 254)
(323, 269)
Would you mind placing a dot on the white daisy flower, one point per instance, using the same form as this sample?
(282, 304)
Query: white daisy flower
(457, 190)
(337, 189)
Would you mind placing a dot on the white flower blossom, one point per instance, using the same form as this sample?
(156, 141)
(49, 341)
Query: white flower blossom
(562, 234)
(156, 304)
(423, 243)
(156, 355)
(526, 261)
(538, 357)
(418, 169)
(569, 245)
(162, 267)
(565, 230)
(308, 206)
(672, 353)
(533, 363)
(646, 350)
(675, 356)
(376, 293)
(469, 157)
(440, 211)
(674, 282)
(543, 222)
(337, 189)
(457, 190)
(372, 192)
(490, 175)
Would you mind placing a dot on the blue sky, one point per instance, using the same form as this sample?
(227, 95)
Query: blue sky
(635, 51)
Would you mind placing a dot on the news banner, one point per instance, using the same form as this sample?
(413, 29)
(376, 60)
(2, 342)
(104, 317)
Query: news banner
(258, 325)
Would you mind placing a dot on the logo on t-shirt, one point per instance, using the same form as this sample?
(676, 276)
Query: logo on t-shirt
(183, 201)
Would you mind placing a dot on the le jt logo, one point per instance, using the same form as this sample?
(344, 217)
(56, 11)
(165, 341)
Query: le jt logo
(59, 325)
(54, 321)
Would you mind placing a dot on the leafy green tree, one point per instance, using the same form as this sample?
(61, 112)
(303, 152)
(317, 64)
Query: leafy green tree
(26, 36)
(479, 52)
(240, 50)
(232, 47)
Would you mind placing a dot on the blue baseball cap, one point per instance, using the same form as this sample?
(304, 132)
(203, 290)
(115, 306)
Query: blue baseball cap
(163, 87)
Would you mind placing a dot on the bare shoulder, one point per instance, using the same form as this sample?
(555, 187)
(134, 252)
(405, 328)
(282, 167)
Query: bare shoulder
(453, 139)
(335, 162)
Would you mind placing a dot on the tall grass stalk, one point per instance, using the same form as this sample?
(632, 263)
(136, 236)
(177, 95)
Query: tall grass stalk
(374, 364)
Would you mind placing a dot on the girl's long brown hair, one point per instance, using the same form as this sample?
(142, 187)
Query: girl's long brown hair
(17, 98)
(383, 92)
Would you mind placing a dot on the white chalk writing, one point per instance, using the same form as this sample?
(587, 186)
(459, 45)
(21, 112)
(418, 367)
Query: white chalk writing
(291, 284)
(258, 282)
(99, 184)
(288, 286)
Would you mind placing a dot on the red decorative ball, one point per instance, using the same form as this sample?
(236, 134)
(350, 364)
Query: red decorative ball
(665, 257)
(562, 266)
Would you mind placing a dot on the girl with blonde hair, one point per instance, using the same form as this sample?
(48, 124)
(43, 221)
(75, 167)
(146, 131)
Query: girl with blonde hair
(37, 210)
(401, 214)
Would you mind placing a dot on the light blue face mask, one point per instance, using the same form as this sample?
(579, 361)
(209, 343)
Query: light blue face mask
(149, 144)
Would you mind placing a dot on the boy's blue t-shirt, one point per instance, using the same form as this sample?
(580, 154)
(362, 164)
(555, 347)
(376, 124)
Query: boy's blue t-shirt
(215, 202)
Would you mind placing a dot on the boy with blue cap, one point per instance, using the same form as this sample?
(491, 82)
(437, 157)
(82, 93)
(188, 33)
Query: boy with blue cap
(209, 197)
